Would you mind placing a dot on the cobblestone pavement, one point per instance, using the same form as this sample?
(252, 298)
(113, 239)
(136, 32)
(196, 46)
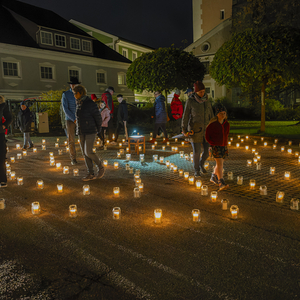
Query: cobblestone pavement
(53, 256)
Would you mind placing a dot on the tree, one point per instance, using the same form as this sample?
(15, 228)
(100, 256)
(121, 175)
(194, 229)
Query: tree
(258, 59)
(164, 69)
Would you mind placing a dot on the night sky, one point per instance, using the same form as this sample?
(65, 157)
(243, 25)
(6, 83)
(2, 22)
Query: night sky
(155, 23)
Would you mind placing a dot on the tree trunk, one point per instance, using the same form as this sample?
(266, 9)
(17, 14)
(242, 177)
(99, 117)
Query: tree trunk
(263, 105)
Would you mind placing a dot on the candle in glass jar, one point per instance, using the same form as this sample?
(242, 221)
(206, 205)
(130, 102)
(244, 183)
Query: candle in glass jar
(276, 141)
(290, 143)
(252, 184)
(56, 145)
(161, 159)
(43, 147)
(263, 190)
(196, 215)
(18, 146)
(274, 146)
(198, 184)
(58, 166)
(35, 208)
(24, 153)
(13, 175)
(43, 141)
(40, 184)
(75, 172)
(191, 180)
(155, 158)
(157, 216)
(168, 143)
(118, 155)
(116, 165)
(136, 192)
(287, 175)
(12, 159)
(229, 143)
(105, 163)
(230, 176)
(265, 144)
(279, 196)
(180, 172)
(141, 187)
(60, 188)
(34, 150)
(116, 191)
(254, 142)
(282, 149)
(86, 189)
(19, 156)
(224, 203)
(239, 180)
(294, 205)
(142, 157)
(2, 203)
(204, 190)
(65, 170)
(20, 180)
(272, 170)
(289, 151)
(116, 212)
(163, 148)
(128, 156)
(213, 196)
(73, 211)
(246, 147)
(234, 210)
(249, 163)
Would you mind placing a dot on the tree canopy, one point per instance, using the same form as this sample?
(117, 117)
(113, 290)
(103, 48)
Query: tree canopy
(255, 59)
(164, 69)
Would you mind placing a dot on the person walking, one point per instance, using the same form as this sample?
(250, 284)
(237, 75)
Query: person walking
(107, 98)
(105, 115)
(122, 118)
(88, 124)
(177, 111)
(4, 113)
(196, 116)
(24, 120)
(216, 135)
(160, 116)
(69, 107)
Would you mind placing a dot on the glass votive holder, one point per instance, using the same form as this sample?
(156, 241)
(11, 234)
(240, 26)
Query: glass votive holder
(120, 145)
(155, 143)
(276, 141)
(136, 193)
(274, 146)
(118, 155)
(18, 146)
(224, 204)
(142, 157)
(297, 154)
(191, 180)
(121, 151)
(163, 148)
(20, 180)
(279, 196)
(287, 175)
(249, 163)
(289, 151)
(75, 172)
(196, 215)
(141, 187)
(229, 143)
(19, 156)
(180, 172)
(60, 152)
(56, 145)
(2, 203)
(153, 147)
(105, 163)
(155, 157)
(231, 138)
(116, 165)
(198, 184)
(40, 184)
(265, 144)
(294, 204)
(127, 166)
(60, 188)
(258, 157)
(168, 143)
(116, 212)
(34, 150)
(213, 196)
(230, 176)
(263, 190)
(272, 170)
(65, 170)
(246, 147)
(131, 170)
(290, 143)
(255, 142)
(138, 181)
(24, 152)
(58, 166)
(137, 171)
(44, 147)
(68, 149)
(12, 175)
(116, 191)
(35, 208)
(186, 175)
(86, 189)
(258, 166)
(167, 163)
(204, 190)
(175, 168)
(254, 160)
(128, 156)
(253, 150)
(181, 153)
(66, 143)
(237, 145)
(157, 216)
(252, 184)
(43, 141)
(239, 180)
(73, 211)
(206, 165)
(186, 156)
(161, 159)
(247, 137)
(282, 149)
(234, 210)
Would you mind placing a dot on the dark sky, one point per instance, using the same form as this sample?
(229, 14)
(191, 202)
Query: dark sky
(156, 23)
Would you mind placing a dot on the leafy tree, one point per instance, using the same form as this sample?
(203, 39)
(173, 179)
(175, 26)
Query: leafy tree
(255, 60)
(164, 69)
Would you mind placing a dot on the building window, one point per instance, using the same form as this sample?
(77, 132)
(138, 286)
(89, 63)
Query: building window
(10, 69)
(205, 47)
(60, 40)
(206, 66)
(46, 38)
(125, 52)
(47, 71)
(222, 14)
(101, 77)
(86, 46)
(121, 78)
(207, 90)
(134, 55)
(74, 72)
(75, 44)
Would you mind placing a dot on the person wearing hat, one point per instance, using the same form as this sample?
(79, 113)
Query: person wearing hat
(4, 112)
(69, 106)
(189, 92)
(196, 116)
(107, 98)
(216, 134)
(24, 120)
(176, 110)
(94, 97)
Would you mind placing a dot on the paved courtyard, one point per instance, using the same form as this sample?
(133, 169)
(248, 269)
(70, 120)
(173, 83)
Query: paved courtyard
(93, 256)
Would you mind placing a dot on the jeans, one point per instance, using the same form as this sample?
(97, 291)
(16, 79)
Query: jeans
(86, 145)
(27, 139)
(199, 159)
(162, 126)
(71, 126)
(2, 158)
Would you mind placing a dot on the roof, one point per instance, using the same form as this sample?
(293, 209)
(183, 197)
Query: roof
(16, 34)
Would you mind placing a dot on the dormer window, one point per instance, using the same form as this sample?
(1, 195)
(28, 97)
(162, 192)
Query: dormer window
(86, 46)
(75, 44)
(46, 38)
(60, 40)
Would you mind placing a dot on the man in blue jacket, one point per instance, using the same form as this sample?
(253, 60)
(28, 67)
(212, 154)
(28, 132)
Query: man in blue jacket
(160, 116)
(69, 106)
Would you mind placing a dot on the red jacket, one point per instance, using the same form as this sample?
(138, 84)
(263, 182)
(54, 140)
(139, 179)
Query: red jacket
(3, 120)
(216, 134)
(107, 98)
(176, 107)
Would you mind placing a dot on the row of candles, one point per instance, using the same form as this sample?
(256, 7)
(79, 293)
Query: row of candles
(262, 139)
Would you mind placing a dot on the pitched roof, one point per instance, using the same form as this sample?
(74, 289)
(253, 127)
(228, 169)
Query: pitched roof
(14, 33)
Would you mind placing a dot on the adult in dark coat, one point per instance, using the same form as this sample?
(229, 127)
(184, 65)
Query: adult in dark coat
(4, 112)
(88, 124)
(160, 116)
(122, 117)
(24, 120)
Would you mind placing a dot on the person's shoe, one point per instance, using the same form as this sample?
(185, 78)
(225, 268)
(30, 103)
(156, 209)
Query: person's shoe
(222, 185)
(89, 177)
(112, 143)
(152, 141)
(214, 179)
(73, 162)
(24, 148)
(197, 174)
(3, 184)
(101, 171)
(202, 169)
(165, 141)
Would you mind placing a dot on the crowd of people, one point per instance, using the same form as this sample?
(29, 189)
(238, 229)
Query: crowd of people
(89, 117)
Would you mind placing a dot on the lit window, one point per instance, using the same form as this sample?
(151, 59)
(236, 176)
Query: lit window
(10, 69)
(121, 78)
(60, 40)
(46, 38)
(75, 44)
(86, 46)
(222, 14)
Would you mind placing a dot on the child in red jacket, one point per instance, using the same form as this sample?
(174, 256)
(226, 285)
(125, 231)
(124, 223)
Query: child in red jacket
(216, 135)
